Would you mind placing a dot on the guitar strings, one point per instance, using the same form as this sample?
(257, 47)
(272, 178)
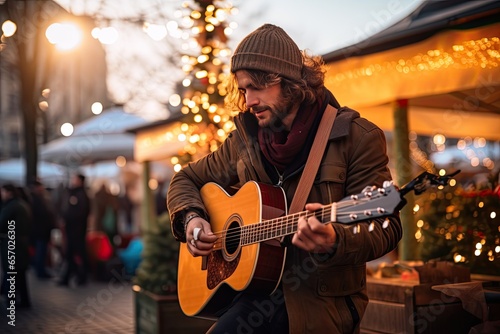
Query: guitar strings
(280, 226)
(271, 224)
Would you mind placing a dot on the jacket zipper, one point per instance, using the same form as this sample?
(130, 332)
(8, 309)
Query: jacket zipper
(280, 177)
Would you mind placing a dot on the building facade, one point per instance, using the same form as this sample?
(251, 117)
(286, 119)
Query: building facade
(61, 85)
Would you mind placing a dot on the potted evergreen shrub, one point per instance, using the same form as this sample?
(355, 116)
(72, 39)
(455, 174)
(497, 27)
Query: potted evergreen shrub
(157, 308)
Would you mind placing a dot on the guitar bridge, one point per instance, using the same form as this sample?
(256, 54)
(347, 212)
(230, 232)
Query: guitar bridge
(204, 262)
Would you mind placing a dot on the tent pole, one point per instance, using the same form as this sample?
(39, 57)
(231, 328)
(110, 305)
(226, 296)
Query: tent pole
(408, 247)
(148, 224)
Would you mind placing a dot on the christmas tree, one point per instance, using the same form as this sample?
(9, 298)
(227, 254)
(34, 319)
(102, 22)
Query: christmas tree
(206, 67)
(157, 272)
(206, 125)
(462, 224)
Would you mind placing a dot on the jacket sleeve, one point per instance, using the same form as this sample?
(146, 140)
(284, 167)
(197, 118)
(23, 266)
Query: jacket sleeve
(183, 193)
(367, 166)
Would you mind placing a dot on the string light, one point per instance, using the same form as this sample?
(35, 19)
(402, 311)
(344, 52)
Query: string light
(484, 53)
(470, 225)
(205, 64)
(468, 222)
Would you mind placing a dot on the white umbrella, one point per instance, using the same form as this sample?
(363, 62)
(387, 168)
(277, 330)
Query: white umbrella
(14, 170)
(99, 138)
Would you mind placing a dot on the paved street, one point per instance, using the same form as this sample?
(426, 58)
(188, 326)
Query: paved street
(98, 307)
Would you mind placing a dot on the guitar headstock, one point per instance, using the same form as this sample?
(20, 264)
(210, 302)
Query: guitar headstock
(372, 202)
(375, 202)
(425, 180)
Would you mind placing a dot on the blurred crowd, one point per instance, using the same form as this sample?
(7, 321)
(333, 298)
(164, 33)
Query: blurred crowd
(65, 234)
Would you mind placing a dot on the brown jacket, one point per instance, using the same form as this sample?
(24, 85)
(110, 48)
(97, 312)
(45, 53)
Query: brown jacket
(324, 293)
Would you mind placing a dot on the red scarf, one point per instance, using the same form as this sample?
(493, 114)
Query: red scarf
(281, 148)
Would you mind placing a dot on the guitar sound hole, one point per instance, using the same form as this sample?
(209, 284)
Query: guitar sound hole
(223, 263)
(233, 235)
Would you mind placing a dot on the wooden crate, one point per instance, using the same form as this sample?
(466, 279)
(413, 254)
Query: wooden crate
(399, 306)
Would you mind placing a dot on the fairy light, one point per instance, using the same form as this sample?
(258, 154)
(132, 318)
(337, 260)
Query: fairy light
(206, 66)
(483, 53)
(476, 151)
(465, 219)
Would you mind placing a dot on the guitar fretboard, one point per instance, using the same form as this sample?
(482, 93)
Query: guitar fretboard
(274, 228)
(350, 210)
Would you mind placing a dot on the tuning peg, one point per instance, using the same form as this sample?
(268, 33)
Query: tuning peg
(387, 184)
(356, 229)
(367, 189)
(371, 227)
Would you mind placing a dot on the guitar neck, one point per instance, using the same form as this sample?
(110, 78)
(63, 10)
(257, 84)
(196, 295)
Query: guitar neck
(371, 203)
(283, 226)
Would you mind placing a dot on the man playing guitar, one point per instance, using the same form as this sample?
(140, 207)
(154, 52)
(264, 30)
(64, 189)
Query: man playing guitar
(244, 261)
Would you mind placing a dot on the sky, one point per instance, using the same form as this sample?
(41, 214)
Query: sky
(320, 26)
(323, 26)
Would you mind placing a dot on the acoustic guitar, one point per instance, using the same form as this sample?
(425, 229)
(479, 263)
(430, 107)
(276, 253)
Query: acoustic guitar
(248, 254)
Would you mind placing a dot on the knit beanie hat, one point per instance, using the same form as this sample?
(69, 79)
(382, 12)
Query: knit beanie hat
(270, 49)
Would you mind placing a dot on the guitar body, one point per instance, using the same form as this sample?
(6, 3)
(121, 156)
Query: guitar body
(247, 255)
(208, 284)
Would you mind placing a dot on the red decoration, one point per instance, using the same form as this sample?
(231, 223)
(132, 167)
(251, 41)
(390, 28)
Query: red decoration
(98, 246)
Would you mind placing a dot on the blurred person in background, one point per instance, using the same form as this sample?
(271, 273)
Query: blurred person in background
(44, 221)
(75, 214)
(15, 225)
(105, 206)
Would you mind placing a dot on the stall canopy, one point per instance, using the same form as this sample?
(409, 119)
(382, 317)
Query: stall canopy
(159, 140)
(14, 170)
(443, 60)
(100, 138)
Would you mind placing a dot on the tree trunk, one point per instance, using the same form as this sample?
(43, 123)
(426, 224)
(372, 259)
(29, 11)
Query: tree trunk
(29, 18)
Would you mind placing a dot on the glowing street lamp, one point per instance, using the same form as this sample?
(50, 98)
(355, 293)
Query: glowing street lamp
(9, 28)
(107, 35)
(65, 36)
(156, 31)
(96, 108)
(67, 129)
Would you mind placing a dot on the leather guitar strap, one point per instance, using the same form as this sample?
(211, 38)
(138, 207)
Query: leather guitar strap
(313, 160)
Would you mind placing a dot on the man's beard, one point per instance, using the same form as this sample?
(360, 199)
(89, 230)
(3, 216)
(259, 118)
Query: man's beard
(278, 113)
